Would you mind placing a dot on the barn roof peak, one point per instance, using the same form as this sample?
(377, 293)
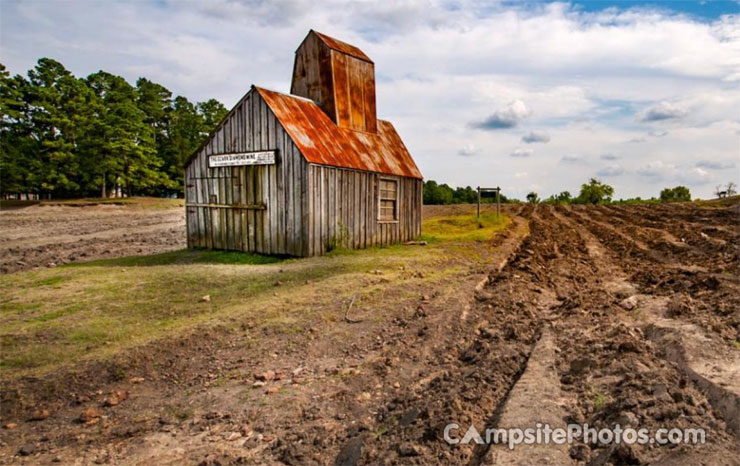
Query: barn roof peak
(340, 46)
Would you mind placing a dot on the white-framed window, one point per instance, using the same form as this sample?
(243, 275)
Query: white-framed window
(388, 200)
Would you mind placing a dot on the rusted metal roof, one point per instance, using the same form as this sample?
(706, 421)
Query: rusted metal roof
(323, 142)
(343, 47)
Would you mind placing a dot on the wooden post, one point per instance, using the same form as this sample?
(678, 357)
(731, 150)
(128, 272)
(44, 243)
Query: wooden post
(478, 202)
(498, 202)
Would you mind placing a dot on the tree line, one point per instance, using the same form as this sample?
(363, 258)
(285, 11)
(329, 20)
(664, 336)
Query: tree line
(63, 136)
(592, 192)
(436, 194)
(597, 192)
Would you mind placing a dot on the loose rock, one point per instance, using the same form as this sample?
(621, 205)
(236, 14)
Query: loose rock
(39, 415)
(629, 303)
(90, 416)
(265, 376)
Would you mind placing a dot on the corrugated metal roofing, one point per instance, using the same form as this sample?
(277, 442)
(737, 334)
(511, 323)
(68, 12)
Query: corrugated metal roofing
(343, 47)
(323, 142)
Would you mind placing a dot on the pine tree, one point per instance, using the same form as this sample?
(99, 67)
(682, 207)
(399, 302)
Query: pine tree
(15, 139)
(126, 137)
(64, 136)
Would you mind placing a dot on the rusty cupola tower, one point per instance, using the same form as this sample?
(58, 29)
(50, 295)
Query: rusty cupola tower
(340, 78)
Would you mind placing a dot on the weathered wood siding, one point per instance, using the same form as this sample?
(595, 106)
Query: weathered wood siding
(312, 77)
(259, 208)
(343, 209)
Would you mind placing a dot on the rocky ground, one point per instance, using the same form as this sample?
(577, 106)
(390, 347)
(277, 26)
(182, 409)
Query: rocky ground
(600, 315)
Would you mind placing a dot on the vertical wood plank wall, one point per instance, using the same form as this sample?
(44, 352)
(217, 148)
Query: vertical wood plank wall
(343, 209)
(293, 207)
(256, 208)
(312, 77)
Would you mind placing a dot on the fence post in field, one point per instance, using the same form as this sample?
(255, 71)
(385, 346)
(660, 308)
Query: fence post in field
(478, 203)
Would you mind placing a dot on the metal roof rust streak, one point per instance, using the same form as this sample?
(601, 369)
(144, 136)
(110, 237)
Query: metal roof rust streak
(322, 142)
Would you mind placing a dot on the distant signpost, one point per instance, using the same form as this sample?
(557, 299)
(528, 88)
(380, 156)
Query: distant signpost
(496, 190)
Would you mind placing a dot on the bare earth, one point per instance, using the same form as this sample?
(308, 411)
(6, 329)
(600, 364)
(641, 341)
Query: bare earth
(600, 315)
(46, 236)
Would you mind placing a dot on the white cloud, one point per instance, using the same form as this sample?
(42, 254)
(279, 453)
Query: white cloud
(522, 153)
(536, 136)
(715, 164)
(571, 158)
(611, 170)
(656, 169)
(663, 111)
(468, 150)
(669, 174)
(507, 117)
(658, 134)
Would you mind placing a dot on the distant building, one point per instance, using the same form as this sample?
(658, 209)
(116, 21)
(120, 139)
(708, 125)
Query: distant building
(302, 173)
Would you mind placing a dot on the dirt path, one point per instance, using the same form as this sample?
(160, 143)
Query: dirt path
(578, 316)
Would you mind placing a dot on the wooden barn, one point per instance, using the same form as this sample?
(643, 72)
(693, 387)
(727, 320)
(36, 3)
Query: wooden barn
(302, 173)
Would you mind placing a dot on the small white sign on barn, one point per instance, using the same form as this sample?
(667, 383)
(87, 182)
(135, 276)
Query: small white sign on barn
(242, 158)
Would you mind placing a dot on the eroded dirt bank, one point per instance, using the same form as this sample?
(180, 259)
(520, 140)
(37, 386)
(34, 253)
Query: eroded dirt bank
(600, 282)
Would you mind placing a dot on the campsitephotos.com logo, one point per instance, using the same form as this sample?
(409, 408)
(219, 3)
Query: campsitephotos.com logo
(543, 434)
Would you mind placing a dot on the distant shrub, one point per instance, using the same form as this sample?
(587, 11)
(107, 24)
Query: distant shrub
(533, 198)
(677, 194)
(637, 200)
(562, 198)
(595, 192)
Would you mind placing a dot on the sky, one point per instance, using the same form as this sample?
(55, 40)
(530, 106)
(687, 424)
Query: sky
(522, 95)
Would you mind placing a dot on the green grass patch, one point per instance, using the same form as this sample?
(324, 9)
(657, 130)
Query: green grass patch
(185, 256)
(15, 204)
(63, 315)
(464, 227)
(94, 310)
(135, 202)
(715, 203)
(381, 250)
(50, 281)
(53, 315)
(139, 202)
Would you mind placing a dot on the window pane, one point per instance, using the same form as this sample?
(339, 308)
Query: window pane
(388, 192)
(388, 189)
(387, 210)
